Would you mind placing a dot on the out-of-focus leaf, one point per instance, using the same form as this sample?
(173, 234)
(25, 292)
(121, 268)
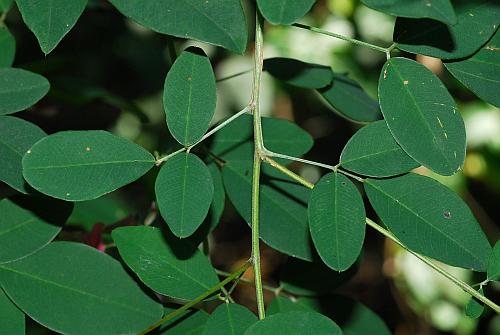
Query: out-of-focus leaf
(298, 73)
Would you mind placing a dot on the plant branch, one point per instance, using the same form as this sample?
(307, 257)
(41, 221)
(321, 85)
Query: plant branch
(273, 289)
(238, 273)
(342, 37)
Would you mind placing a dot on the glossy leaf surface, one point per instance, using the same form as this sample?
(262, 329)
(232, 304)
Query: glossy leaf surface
(167, 265)
(422, 116)
(189, 96)
(84, 284)
(20, 89)
(297, 73)
(430, 219)
(219, 22)
(284, 11)
(440, 10)
(229, 319)
(7, 47)
(83, 165)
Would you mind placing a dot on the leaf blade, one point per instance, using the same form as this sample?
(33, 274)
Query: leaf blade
(284, 11)
(229, 319)
(7, 47)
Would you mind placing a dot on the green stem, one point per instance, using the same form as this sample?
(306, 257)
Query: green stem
(342, 37)
(234, 75)
(275, 290)
(199, 299)
(258, 154)
(297, 159)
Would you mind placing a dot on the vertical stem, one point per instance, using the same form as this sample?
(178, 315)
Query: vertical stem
(258, 153)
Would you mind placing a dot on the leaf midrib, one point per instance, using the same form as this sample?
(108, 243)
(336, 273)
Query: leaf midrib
(87, 164)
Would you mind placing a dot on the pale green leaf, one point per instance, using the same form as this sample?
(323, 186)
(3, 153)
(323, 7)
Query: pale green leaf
(83, 284)
(430, 219)
(284, 11)
(50, 20)
(20, 89)
(11, 318)
(372, 151)
(297, 73)
(229, 319)
(337, 221)
(422, 116)
(84, 165)
(7, 47)
(189, 96)
(166, 264)
(184, 192)
(220, 22)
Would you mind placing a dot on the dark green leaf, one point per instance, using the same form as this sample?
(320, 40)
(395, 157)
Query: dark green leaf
(90, 292)
(16, 137)
(481, 72)
(430, 219)
(422, 116)
(284, 11)
(5, 5)
(168, 265)
(440, 10)
(283, 212)
(29, 224)
(373, 152)
(494, 263)
(50, 20)
(337, 221)
(83, 165)
(189, 322)
(474, 308)
(349, 100)
(7, 47)
(11, 318)
(229, 319)
(189, 96)
(298, 73)
(295, 323)
(184, 191)
(20, 89)
(219, 22)
(477, 20)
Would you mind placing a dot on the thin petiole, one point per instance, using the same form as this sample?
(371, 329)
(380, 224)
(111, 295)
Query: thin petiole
(353, 176)
(296, 159)
(234, 75)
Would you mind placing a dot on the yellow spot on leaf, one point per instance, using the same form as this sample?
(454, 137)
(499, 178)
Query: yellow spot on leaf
(87, 149)
(406, 82)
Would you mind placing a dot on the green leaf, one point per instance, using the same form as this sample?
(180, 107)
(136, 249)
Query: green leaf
(474, 308)
(184, 191)
(11, 318)
(477, 20)
(295, 323)
(229, 319)
(373, 152)
(51, 20)
(167, 265)
(430, 219)
(494, 263)
(284, 11)
(20, 89)
(190, 322)
(7, 47)
(422, 116)
(90, 292)
(29, 224)
(189, 96)
(83, 165)
(297, 73)
(16, 137)
(312, 278)
(440, 10)
(480, 72)
(349, 100)
(219, 22)
(337, 221)
(5, 5)
(283, 213)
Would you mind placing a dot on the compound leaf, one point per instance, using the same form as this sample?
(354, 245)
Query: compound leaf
(11, 318)
(422, 115)
(20, 89)
(184, 191)
(164, 263)
(372, 151)
(7, 47)
(477, 20)
(298, 73)
(51, 20)
(284, 11)
(440, 10)
(337, 221)
(430, 219)
(16, 137)
(83, 284)
(219, 22)
(481, 72)
(189, 96)
(229, 319)
(83, 165)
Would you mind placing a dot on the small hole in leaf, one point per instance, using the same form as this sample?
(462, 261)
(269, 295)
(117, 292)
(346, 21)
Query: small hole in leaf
(447, 214)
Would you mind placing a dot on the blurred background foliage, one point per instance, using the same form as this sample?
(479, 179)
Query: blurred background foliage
(109, 74)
